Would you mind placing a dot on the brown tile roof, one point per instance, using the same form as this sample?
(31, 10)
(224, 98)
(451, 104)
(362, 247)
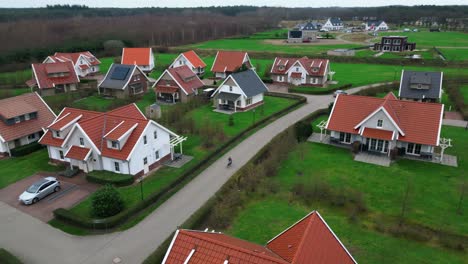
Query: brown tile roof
(97, 124)
(77, 153)
(228, 61)
(377, 133)
(185, 77)
(136, 56)
(194, 59)
(41, 73)
(308, 64)
(309, 239)
(14, 105)
(73, 56)
(420, 122)
(121, 129)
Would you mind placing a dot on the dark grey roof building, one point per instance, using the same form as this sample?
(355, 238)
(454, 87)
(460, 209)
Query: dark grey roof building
(421, 86)
(249, 82)
(122, 81)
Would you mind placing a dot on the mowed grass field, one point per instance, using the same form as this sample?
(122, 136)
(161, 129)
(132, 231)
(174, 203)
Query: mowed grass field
(432, 201)
(455, 54)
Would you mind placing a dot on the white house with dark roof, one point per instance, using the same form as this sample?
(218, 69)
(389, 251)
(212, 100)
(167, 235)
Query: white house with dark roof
(333, 24)
(373, 25)
(241, 91)
(421, 86)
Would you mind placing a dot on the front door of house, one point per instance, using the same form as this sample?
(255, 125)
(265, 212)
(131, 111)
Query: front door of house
(377, 145)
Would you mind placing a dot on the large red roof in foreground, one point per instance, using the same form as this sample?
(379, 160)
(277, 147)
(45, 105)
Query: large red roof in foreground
(228, 61)
(136, 56)
(420, 122)
(309, 239)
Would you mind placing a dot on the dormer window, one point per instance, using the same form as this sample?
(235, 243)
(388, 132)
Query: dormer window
(379, 123)
(57, 134)
(17, 119)
(281, 67)
(315, 69)
(115, 144)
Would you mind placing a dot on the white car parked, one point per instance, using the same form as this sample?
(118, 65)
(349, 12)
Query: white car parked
(39, 190)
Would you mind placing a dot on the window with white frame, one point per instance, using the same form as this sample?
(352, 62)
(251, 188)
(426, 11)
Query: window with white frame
(230, 88)
(114, 144)
(145, 141)
(145, 160)
(248, 101)
(81, 141)
(32, 136)
(155, 134)
(156, 155)
(57, 134)
(414, 149)
(345, 137)
(61, 155)
(116, 166)
(379, 123)
(314, 80)
(297, 69)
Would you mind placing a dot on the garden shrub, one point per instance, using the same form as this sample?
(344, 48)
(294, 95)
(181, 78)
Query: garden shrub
(26, 149)
(107, 177)
(303, 131)
(106, 202)
(355, 147)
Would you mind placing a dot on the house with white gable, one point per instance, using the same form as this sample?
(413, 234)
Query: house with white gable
(333, 24)
(192, 60)
(381, 125)
(85, 63)
(122, 140)
(373, 25)
(240, 91)
(142, 57)
(300, 71)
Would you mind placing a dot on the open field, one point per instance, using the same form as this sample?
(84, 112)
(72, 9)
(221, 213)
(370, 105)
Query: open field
(193, 147)
(433, 200)
(455, 54)
(15, 169)
(432, 39)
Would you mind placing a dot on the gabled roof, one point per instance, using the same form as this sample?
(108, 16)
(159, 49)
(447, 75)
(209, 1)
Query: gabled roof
(310, 239)
(336, 21)
(194, 59)
(184, 77)
(136, 56)
(228, 61)
(248, 81)
(78, 153)
(311, 26)
(74, 56)
(419, 122)
(119, 76)
(305, 62)
(97, 125)
(20, 105)
(307, 240)
(216, 248)
(42, 72)
(433, 79)
(374, 23)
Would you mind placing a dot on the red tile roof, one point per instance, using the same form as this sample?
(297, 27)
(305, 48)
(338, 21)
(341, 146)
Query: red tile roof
(308, 64)
(194, 59)
(42, 71)
(97, 124)
(121, 129)
(186, 79)
(136, 56)
(420, 122)
(166, 89)
(377, 133)
(309, 239)
(215, 248)
(14, 105)
(74, 56)
(296, 75)
(77, 153)
(228, 61)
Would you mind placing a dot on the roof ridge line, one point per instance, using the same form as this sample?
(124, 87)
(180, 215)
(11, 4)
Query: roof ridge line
(237, 248)
(302, 239)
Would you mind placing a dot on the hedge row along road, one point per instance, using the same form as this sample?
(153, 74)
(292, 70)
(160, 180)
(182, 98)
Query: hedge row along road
(36, 242)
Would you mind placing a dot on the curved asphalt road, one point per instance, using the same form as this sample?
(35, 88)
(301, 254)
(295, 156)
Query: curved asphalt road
(36, 242)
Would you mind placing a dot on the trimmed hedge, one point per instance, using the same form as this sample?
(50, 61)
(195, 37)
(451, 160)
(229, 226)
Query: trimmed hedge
(196, 219)
(107, 177)
(8, 258)
(300, 89)
(26, 149)
(113, 221)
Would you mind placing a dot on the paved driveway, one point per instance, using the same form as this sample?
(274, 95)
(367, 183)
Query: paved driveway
(72, 191)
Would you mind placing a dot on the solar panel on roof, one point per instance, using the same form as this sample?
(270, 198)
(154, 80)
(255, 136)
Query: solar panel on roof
(120, 73)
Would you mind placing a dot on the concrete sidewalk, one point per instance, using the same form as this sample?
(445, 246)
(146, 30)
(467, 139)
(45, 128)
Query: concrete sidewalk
(36, 242)
(456, 123)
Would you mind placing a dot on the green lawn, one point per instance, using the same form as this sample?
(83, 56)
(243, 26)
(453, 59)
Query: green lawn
(464, 92)
(15, 169)
(432, 202)
(431, 39)
(193, 147)
(8, 258)
(455, 54)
